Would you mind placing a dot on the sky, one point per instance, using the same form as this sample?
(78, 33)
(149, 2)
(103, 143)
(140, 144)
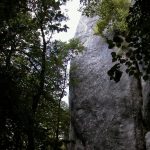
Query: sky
(72, 7)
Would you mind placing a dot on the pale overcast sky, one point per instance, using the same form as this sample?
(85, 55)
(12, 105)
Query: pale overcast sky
(74, 15)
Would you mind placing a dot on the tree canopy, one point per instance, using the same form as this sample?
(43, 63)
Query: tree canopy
(116, 20)
(33, 74)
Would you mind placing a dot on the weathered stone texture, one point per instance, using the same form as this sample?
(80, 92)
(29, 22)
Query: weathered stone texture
(102, 111)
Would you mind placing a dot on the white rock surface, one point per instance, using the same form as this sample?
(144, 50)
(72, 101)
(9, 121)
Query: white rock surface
(102, 111)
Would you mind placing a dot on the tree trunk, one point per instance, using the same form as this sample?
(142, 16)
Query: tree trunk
(30, 134)
(36, 97)
(138, 118)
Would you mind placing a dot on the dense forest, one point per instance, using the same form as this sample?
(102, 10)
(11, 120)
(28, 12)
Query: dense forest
(33, 66)
(33, 75)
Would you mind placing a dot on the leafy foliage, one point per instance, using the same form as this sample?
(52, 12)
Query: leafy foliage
(135, 42)
(130, 29)
(33, 75)
(116, 20)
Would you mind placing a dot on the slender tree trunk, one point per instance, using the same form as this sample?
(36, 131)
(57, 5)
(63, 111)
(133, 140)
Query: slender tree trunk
(31, 144)
(59, 107)
(139, 126)
(30, 133)
(18, 141)
(36, 97)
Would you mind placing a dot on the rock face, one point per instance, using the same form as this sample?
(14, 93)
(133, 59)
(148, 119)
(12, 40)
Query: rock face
(102, 111)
